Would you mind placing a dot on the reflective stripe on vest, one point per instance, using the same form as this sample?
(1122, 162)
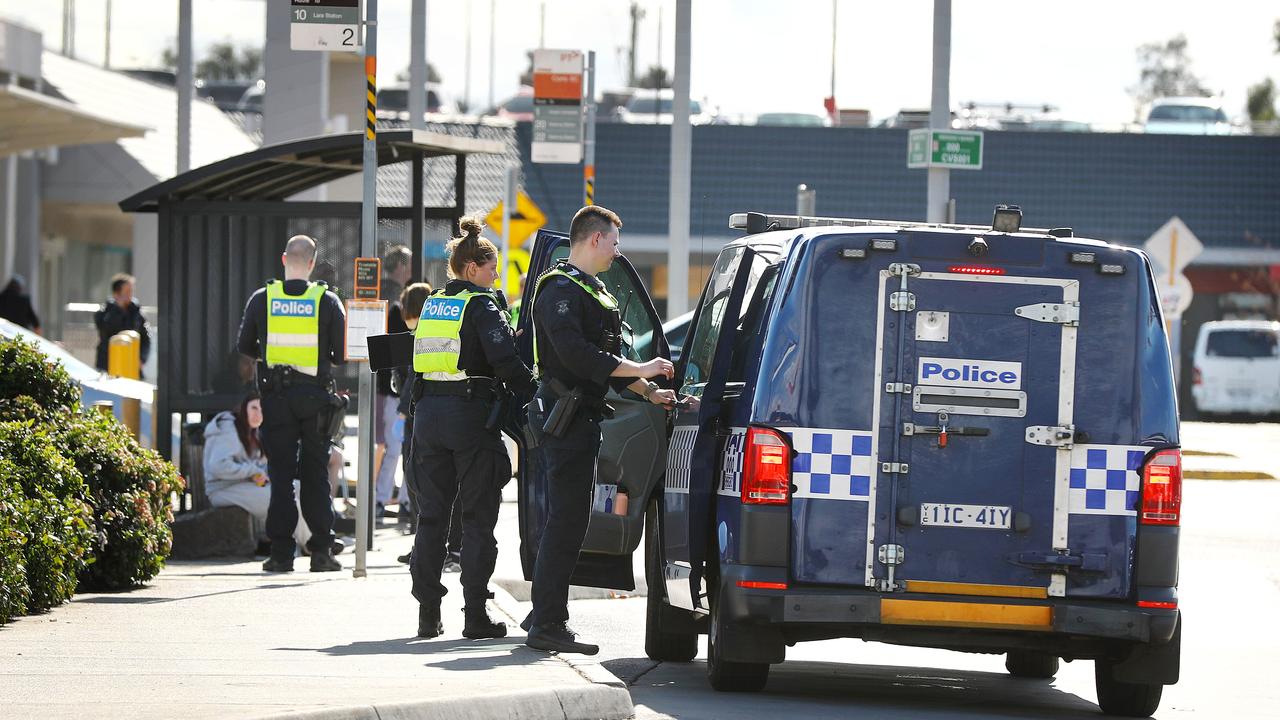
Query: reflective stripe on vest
(437, 341)
(602, 296)
(293, 327)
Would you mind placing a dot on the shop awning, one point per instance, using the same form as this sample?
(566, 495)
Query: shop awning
(31, 120)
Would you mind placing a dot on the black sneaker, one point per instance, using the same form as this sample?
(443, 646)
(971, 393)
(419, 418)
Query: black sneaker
(429, 625)
(337, 547)
(324, 562)
(405, 559)
(479, 625)
(452, 564)
(273, 565)
(557, 637)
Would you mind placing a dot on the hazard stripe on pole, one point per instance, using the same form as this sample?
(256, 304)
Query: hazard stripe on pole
(371, 97)
(589, 175)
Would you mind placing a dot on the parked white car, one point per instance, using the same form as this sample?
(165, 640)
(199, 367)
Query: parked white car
(653, 107)
(1188, 116)
(1237, 367)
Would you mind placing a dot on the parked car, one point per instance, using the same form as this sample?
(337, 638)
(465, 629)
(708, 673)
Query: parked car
(674, 330)
(1237, 368)
(1188, 116)
(95, 385)
(654, 107)
(517, 108)
(982, 455)
(393, 101)
(792, 119)
(224, 94)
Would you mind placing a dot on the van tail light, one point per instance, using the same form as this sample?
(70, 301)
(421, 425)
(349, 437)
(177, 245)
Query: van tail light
(1162, 489)
(1195, 376)
(976, 269)
(766, 468)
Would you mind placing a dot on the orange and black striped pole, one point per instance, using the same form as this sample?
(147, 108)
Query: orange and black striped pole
(589, 146)
(368, 248)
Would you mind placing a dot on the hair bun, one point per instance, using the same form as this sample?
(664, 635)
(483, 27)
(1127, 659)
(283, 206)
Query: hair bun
(471, 227)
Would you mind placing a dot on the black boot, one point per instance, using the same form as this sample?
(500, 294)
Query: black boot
(272, 565)
(479, 625)
(429, 625)
(557, 637)
(322, 561)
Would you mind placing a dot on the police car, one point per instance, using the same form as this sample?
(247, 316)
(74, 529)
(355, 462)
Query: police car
(940, 436)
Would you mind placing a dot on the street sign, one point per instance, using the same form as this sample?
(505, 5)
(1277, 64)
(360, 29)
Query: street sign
(368, 285)
(1175, 294)
(955, 149)
(327, 25)
(557, 106)
(1173, 247)
(525, 221)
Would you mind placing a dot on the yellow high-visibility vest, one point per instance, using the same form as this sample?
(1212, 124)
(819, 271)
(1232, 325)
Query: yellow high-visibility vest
(602, 296)
(437, 341)
(293, 327)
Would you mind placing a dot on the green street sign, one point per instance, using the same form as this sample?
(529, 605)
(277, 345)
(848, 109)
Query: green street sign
(956, 149)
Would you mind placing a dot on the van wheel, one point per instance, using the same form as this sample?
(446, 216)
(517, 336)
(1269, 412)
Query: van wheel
(1031, 664)
(724, 675)
(1122, 698)
(660, 644)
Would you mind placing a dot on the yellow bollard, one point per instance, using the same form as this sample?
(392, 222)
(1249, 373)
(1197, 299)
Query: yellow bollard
(124, 359)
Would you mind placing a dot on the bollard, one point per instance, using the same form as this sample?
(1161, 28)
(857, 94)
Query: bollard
(124, 359)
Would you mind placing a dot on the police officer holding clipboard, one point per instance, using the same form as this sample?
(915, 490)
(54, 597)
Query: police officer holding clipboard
(577, 346)
(467, 369)
(296, 329)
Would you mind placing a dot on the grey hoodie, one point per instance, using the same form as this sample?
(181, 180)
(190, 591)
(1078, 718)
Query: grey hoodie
(225, 461)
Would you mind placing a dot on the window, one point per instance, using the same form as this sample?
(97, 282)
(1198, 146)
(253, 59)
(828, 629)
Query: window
(1242, 344)
(1188, 113)
(701, 348)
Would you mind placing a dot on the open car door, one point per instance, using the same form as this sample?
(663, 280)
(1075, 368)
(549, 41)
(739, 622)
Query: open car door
(634, 441)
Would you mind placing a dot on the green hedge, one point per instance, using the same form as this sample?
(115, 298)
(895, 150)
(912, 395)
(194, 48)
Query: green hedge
(82, 506)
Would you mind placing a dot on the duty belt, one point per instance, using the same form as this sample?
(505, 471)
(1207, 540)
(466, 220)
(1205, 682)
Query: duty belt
(587, 401)
(478, 387)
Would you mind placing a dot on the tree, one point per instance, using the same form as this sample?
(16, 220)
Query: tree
(1165, 71)
(655, 78)
(1277, 34)
(223, 61)
(1262, 101)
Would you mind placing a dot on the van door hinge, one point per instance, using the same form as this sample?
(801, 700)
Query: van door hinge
(891, 556)
(902, 301)
(1061, 313)
(1059, 436)
(904, 388)
(893, 467)
(904, 269)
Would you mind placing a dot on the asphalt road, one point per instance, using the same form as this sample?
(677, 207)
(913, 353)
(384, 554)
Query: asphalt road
(1229, 594)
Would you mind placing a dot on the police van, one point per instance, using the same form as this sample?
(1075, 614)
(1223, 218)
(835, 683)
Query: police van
(941, 436)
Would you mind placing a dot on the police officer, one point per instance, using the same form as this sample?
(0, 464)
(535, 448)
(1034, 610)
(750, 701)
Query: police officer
(295, 329)
(577, 336)
(465, 358)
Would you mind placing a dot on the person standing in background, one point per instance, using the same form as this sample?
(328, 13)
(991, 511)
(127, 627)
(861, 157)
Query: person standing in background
(15, 305)
(118, 314)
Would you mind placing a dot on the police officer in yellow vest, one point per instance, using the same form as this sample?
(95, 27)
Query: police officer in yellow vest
(295, 329)
(465, 358)
(577, 336)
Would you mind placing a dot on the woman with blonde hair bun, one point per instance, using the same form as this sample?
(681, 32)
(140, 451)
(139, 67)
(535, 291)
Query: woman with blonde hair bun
(464, 357)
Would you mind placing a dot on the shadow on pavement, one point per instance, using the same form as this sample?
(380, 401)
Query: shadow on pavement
(841, 690)
(458, 654)
(120, 599)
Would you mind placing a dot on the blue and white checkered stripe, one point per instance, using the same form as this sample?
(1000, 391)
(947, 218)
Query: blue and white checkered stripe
(832, 464)
(731, 470)
(1106, 479)
(679, 458)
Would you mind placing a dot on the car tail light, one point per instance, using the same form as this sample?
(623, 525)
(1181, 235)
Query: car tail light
(1157, 605)
(1162, 489)
(761, 585)
(766, 468)
(976, 269)
(1195, 376)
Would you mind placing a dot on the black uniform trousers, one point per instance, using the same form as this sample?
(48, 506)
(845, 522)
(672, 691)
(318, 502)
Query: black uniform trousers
(570, 465)
(297, 447)
(411, 484)
(455, 457)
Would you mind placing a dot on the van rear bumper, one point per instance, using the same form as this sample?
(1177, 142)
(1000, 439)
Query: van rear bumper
(801, 607)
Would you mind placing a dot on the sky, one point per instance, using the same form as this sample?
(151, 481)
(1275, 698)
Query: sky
(751, 56)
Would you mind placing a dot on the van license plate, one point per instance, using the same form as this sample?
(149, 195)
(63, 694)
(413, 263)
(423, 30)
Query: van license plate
(977, 516)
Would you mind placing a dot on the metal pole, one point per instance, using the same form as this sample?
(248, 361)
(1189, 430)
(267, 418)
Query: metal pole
(835, 114)
(542, 26)
(11, 218)
(681, 164)
(186, 86)
(589, 146)
(368, 248)
(466, 64)
(806, 201)
(418, 66)
(493, 21)
(106, 54)
(940, 109)
(509, 181)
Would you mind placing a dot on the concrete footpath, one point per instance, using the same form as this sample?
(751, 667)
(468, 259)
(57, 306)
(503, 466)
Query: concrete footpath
(222, 639)
(1230, 451)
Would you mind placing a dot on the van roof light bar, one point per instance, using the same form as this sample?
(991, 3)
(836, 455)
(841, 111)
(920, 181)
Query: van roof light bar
(754, 222)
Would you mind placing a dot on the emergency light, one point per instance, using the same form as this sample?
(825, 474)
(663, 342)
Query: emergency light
(1008, 219)
(766, 468)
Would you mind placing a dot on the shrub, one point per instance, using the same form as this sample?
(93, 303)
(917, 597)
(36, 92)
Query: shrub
(129, 489)
(15, 593)
(24, 370)
(50, 492)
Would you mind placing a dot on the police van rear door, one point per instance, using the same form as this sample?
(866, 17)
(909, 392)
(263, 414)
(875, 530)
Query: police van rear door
(633, 442)
(978, 385)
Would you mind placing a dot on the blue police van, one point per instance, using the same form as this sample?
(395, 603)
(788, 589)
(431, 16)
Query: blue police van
(939, 436)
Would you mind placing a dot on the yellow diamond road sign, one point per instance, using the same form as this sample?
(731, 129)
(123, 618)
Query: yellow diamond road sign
(525, 221)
